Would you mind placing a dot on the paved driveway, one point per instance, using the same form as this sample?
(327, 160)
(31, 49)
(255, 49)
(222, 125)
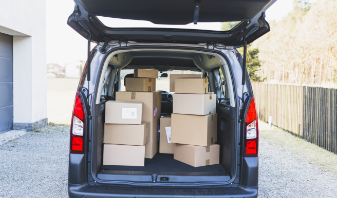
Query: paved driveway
(35, 165)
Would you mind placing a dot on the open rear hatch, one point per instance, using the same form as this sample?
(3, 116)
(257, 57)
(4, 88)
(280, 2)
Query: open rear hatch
(248, 13)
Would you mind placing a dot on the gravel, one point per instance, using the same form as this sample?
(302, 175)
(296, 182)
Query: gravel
(36, 165)
(292, 167)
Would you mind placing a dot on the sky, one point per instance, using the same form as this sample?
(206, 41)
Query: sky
(64, 45)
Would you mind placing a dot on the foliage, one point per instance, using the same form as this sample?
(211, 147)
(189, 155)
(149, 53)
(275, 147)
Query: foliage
(301, 48)
(253, 63)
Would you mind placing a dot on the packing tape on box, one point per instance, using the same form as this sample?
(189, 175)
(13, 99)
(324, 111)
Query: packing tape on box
(149, 88)
(207, 162)
(133, 95)
(210, 96)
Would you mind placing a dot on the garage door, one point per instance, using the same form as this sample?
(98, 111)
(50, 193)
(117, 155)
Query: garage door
(6, 82)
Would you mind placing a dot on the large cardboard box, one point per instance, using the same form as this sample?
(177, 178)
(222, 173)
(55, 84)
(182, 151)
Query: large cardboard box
(151, 113)
(194, 129)
(140, 84)
(130, 134)
(197, 155)
(117, 112)
(191, 85)
(147, 73)
(123, 155)
(164, 145)
(175, 76)
(195, 104)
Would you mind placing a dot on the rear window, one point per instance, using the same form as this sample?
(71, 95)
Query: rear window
(162, 83)
(128, 23)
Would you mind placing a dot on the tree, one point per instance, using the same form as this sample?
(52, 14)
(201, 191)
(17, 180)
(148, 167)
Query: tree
(253, 63)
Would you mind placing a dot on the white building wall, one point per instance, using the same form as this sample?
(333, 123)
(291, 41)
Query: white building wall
(26, 21)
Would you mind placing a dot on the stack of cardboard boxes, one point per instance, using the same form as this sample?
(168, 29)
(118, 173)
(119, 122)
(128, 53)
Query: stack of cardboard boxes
(194, 123)
(130, 130)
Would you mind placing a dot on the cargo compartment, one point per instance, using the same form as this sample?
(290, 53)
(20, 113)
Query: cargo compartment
(159, 166)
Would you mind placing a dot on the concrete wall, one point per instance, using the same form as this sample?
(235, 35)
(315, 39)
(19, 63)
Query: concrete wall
(26, 21)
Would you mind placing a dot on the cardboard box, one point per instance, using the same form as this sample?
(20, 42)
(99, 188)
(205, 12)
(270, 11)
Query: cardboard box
(197, 155)
(191, 85)
(175, 76)
(195, 104)
(164, 145)
(147, 73)
(140, 84)
(117, 112)
(194, 129)
(151, 113)
(123, 155)
(130, 134)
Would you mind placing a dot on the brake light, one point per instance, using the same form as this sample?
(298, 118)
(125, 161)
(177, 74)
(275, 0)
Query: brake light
(77, 127)
(251, 132)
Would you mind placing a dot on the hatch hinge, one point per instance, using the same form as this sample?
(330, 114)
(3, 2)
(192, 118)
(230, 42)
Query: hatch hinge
(210, 46)
(123, 43)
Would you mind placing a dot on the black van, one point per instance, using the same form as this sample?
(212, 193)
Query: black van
(167, 49)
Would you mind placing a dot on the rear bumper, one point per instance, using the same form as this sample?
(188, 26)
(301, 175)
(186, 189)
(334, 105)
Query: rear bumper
(102, 191)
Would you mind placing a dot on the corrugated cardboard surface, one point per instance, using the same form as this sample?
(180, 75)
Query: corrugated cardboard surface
(130, 134)
(123, 155)
(195, 104)
(147, 73)
(194, 129)
(140, 84)
(164, 146)
(116, 112)
(151, 113)
(175, 76)
(197, 155)
(191, 85)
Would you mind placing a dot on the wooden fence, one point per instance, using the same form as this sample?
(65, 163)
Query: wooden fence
(308, 112)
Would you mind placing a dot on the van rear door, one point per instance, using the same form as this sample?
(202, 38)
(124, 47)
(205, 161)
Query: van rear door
(246, 20)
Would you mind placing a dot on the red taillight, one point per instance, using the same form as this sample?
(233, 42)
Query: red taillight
(77, 127)
(78, 109)
(77, 144)
(251, 131)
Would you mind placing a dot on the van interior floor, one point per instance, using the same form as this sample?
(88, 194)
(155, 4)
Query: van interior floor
(165, 164)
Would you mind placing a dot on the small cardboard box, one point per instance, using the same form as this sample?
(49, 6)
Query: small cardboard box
(191, 85)
(123, 155)
(140, 84)
(147, 73)
(175, 76)
(130, 134)
(194, 129)
(117, 112)
(164, 145)
(197, 155)
(195, 104)
(151, 113)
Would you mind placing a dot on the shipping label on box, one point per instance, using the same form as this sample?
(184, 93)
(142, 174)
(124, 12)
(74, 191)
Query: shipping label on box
(197, 155)
(123, 155)
(195, 104)
(191, 85)
(130, 134)
(146, 73)
(117, 112)
(165, 145)
(140, 84)
(194, 129)
(175, 76)
(151, 113)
